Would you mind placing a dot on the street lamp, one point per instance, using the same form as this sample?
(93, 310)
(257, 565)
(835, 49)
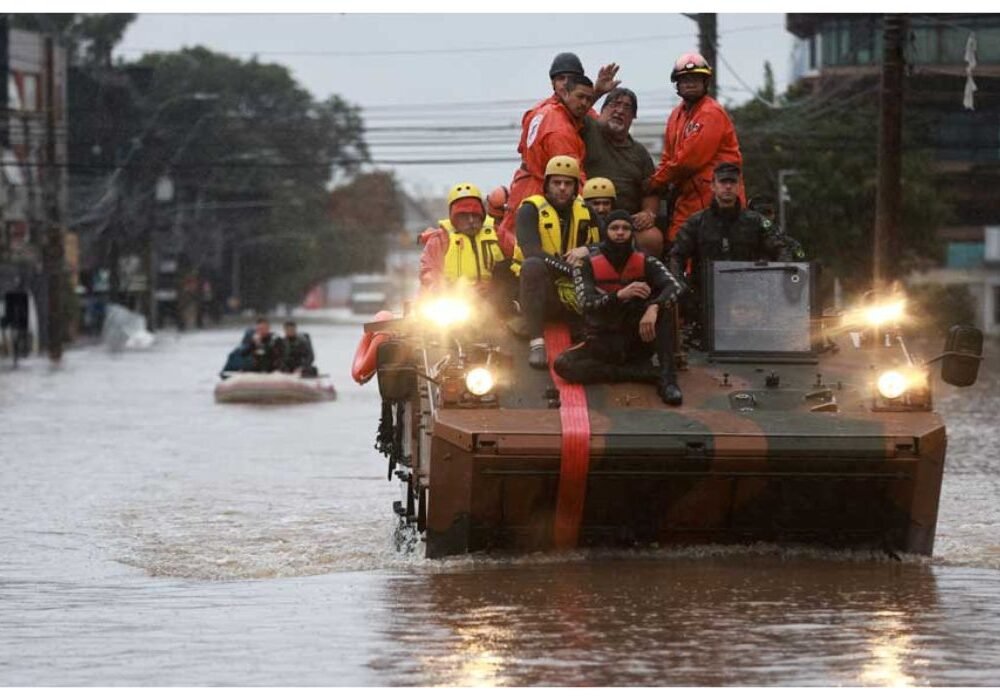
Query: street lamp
(783, 194)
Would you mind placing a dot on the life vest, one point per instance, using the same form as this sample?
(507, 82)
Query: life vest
(609, 280)
(583, 232)
(470, 258)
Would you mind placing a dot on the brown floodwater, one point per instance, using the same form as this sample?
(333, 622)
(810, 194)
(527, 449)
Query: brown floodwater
(149, 536)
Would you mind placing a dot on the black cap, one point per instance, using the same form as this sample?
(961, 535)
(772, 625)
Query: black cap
(565, 63)
(618, 215)
(727, 171)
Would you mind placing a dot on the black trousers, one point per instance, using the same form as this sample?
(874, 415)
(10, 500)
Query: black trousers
(608, 356)
(539, 300)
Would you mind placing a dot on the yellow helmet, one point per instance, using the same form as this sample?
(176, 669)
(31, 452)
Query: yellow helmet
(563, 165)
(599, 188)
(463, 190)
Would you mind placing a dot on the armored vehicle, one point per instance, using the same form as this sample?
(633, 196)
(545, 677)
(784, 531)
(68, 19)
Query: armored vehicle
(796, 427)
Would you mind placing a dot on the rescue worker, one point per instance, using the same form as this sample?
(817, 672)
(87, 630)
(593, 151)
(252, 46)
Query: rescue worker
(554, 130)
(723, 231)
(612, 153)
(296, 351)
(699, 135)
(563, 65)
(554, 231)
(599, 194)
(464, 248)
(764, 205)
(627, 298)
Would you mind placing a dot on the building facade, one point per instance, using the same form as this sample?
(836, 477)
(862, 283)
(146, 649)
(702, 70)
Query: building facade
(952, 86)
(33, 189)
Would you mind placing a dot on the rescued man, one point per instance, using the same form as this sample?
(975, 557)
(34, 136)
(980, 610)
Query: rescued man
(723, 231)
(257, 351)
(627, 299)
(612, 153)
(554, 231)
(465, 250)
(296, 351)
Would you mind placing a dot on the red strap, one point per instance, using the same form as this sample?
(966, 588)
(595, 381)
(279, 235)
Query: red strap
(575, 458)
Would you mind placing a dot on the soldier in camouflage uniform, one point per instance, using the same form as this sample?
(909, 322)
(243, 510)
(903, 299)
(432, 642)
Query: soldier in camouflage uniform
(724, 231)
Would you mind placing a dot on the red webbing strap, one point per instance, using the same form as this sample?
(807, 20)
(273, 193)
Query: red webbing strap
(574, 460)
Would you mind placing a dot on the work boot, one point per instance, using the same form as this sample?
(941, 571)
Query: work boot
(669, 391)
(537, 357)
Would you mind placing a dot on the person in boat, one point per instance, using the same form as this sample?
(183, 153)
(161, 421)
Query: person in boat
(627, 297)
(464, 249)
(612, 153)
(599, 194)
(296, 351)
(257, 351)
(723, 231)
(554, 231)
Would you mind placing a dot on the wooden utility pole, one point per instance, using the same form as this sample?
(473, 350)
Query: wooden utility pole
(708, 40)
(889, 193)
(52, 251)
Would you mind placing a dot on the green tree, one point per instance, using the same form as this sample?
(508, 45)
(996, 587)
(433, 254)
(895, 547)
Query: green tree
(251, 154)
(828, 140)
(88, 37)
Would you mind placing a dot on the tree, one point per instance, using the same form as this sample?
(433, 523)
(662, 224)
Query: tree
(250, 153)
(827, 139)
(89, 38)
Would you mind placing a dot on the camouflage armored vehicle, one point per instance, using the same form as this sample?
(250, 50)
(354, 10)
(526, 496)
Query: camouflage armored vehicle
(796, 427)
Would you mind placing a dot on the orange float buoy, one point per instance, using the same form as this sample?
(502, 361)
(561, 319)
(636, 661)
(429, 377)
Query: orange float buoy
(366, 356)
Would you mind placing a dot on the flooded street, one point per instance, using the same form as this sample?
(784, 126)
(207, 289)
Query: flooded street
(149, 536)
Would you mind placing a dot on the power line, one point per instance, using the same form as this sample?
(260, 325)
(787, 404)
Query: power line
(459, 50)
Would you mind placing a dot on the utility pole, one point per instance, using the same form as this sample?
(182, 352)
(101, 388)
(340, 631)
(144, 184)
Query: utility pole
(889, 193)
(52, 251)
(708, 41)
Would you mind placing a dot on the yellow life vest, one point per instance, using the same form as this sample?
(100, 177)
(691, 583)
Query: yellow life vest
(471, 259)
(583, 232)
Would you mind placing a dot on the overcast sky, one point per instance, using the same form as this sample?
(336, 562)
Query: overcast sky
(458, 72)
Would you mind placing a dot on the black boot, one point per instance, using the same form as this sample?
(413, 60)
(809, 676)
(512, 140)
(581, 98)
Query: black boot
(669, 391)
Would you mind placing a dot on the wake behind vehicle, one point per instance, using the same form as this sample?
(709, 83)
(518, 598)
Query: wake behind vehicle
(795, 427)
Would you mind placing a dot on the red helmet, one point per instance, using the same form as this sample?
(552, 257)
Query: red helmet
(496, 202)
(689, 63)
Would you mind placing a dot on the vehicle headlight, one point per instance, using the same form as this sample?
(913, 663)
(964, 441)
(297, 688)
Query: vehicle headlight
(885, 314)
(446, 311)
(892, 384)
(479, 381)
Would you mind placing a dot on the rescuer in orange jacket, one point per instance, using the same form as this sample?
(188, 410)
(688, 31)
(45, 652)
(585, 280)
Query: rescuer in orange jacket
(563, 65)
(553, 131)
(699, 135)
